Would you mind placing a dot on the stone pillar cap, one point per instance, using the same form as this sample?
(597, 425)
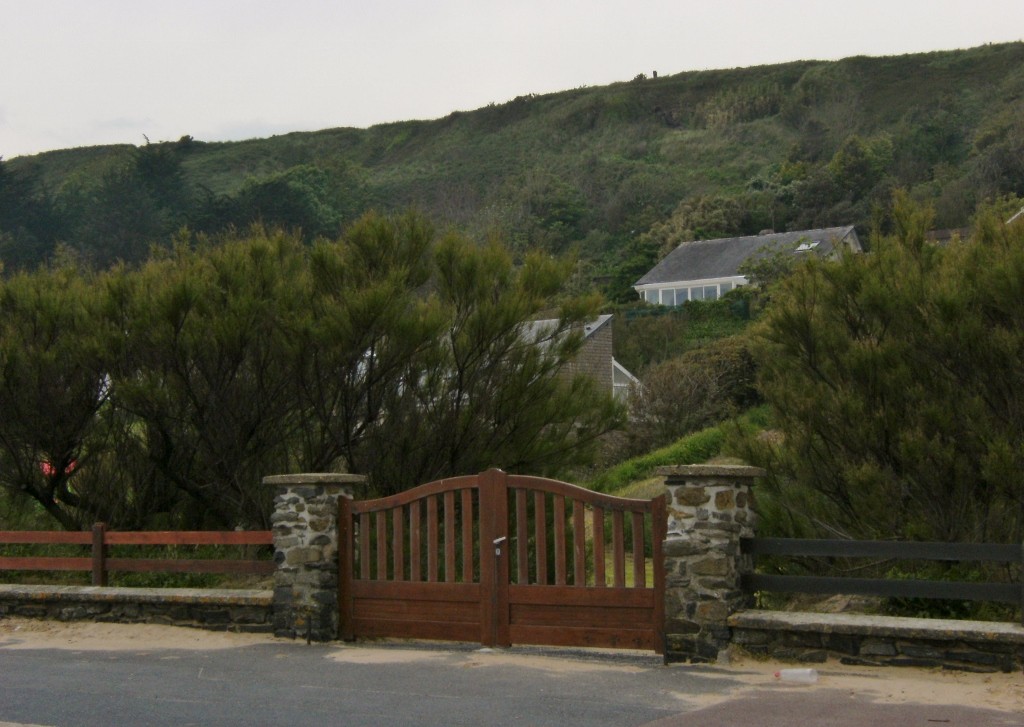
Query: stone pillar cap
(314, 478)
(710, 470)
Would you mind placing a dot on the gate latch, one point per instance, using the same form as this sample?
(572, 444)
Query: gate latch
(497, 544)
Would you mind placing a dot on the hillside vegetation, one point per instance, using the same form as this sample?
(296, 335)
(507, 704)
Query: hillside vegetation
(619, 173)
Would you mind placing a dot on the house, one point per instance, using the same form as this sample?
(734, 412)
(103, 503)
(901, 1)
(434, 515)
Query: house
(707, 269)
(595, 356)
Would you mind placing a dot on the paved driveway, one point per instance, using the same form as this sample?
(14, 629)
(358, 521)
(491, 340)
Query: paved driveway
(271, 682)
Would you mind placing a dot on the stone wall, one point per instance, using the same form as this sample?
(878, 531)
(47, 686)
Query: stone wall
(880, 640)
(215, 609)
(709, 509)
(305, 530)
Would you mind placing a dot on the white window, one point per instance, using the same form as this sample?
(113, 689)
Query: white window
(668, 297)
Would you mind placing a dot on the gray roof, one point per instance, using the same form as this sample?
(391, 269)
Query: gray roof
(546, 327)
(710, 259)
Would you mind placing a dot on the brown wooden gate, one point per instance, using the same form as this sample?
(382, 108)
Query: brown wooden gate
(504, 559)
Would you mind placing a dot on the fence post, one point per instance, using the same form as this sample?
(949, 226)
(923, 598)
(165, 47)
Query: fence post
(305, 530)
(710, 507)
(99, 554)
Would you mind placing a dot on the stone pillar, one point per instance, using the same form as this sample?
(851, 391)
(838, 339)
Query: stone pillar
(709, 510)
(305, 529)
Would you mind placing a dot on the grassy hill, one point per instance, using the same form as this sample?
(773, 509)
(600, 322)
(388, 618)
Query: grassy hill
(596, 168)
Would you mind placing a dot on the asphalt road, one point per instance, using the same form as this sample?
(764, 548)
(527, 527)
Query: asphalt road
(294, 684)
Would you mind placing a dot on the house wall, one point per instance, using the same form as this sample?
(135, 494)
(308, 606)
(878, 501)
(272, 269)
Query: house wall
(595, 358)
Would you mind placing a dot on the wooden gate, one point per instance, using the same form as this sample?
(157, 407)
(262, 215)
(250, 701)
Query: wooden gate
(504, 559)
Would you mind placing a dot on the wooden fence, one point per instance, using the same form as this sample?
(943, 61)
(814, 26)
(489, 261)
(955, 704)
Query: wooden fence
(1006, 592)
(100, 564)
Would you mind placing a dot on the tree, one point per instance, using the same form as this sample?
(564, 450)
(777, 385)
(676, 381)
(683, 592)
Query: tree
(370, 319)
(54, 354)
(162, 395)
(29, 223)
(491, 389)
(205, 368)
(696, 389)
(897, 386)
(420, 363)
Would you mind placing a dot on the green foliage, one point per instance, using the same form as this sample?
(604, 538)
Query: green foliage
(701, 387)
(703, 218)
(53, 358)
(648, 335)
(896, 386)
(29, 225)
(799, 145)
(741, 104)
(947, 608)
(160, 396)
(302, 199)
(487, 389)
(205, 369)
(691, 449)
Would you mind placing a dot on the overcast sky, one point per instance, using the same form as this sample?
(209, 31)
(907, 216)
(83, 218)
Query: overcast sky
(84, 72)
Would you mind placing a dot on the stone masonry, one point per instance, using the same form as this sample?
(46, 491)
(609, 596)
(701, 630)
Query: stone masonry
(709, 509)
(305, 529)
(205, 608)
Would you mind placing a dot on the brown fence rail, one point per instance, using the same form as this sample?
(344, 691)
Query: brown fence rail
(1012, 593)
(100, 564)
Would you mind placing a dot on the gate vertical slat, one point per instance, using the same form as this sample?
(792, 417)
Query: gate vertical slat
(364, 546)
(397, 544)
(599, 579)
(494, 571)
(559, 505)
(579, 543)
(618, 550)
(432, 539)
(659, 531)
(540, 534)
(449, 537)
(522, 539)
(639, 565)
(415, 547)
(382, 546)
(467, 536)
(346, 629)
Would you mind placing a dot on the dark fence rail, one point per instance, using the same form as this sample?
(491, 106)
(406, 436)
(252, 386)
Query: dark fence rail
(100, 564)
(894, 588)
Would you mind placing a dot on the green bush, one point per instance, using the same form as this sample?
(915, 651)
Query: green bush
(692, 449)
(699, 388)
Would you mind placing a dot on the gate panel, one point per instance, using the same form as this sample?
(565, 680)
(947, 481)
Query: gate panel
(410, 566)
(504, 559)
(569, 616)
(445, 611)
(587, 567)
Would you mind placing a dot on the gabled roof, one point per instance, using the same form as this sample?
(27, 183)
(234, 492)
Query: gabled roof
(710, 259)
(546, 327)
